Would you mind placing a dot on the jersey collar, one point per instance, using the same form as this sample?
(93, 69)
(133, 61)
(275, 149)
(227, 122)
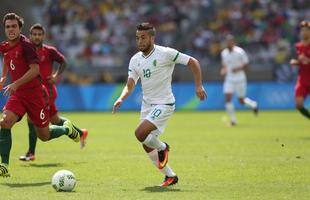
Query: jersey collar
(149, 53)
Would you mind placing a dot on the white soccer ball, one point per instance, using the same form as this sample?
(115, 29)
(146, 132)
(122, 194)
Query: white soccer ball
(63, 180)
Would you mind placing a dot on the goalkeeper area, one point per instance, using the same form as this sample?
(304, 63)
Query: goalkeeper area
(264, 157)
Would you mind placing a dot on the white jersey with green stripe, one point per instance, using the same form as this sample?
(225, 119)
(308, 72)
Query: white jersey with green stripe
(155, 71)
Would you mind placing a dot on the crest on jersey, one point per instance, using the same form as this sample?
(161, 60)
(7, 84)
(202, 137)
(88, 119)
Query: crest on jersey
(154, 63)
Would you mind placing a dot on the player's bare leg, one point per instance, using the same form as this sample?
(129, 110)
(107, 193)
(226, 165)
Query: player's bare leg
(249, 103)
(8, 119)
(167, 171)
(230, 109)
(58, 120)
(143, 135)
(299, 101)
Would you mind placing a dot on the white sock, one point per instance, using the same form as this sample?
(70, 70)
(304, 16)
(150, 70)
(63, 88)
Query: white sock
(250, 103)
(167, 171)
(153, 142)
(231, 112)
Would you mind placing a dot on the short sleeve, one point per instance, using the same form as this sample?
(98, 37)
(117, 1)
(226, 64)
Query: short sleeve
(56, 55)
(244, 56)
(30, 53)
(131, 70)
(176, 56)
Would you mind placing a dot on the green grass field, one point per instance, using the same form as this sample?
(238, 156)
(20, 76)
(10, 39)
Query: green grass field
(264, 157)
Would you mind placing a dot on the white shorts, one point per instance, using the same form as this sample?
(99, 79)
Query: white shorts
(157, 114)
(238, 87)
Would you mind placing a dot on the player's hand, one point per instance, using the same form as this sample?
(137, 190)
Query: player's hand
(201, 93)
(2, 82)
(303, 59)
(294, 62)
(10, 89)
(236, 70)
(116, 105)
(53, 79)
(223, 71)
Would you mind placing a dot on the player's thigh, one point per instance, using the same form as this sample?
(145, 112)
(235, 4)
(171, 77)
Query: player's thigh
(144, 128)
(228, 87)
(43, 133)
(301, 93)
(55, 119)
(240, 89)
(13, 111)
(8, 119)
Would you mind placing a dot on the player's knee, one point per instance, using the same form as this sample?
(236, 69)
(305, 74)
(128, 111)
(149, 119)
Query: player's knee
(139, 135)
(42, 135)
(6, 123)
(43, 138)
(241, 101)
(299, 106)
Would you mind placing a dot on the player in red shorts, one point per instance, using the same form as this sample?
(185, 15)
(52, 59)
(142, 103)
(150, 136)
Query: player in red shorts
(302, 87)
(47, 56)
(26, 93)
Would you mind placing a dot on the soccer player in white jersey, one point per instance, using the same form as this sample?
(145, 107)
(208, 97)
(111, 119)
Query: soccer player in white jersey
(234, 62)
(154, 65)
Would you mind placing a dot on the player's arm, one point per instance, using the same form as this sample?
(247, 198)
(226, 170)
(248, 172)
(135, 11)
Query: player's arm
(3, 75)
(28, 76)
(61, 68)
(240, 68)
(127, 90)
(245, 62)
(196, 70)
(59, 58)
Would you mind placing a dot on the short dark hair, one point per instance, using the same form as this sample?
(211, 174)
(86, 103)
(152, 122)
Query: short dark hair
(38, 27)
(229, 37)
(146, 26)
(304, 24)
(12, 16)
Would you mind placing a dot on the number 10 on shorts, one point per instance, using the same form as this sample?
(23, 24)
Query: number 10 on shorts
(155, 113)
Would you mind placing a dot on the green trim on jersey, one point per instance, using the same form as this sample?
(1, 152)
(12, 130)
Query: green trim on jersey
(149, 53)
(175, 58)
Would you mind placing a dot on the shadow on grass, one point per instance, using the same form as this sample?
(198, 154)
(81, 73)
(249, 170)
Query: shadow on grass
(161, 189)
(306, 138)
(45, 165)
(21, 185)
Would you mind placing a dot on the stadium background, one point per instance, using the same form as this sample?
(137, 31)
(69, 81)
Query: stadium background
(97, 37)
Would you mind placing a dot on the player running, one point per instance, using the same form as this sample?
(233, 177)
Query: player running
(47, 56)
(154, 65)
(26, 93)
(302, 87)
(234, 62)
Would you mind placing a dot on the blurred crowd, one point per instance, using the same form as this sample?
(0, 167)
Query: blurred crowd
(98, 37)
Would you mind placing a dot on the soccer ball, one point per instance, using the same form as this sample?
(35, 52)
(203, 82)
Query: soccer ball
(63, 180)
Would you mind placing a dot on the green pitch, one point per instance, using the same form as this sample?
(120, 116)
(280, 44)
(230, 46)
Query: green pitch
(264, 157)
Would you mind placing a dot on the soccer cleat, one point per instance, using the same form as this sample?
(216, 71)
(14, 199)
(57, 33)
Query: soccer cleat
(255, 111)
(28, 157)
(83, 138)
(233, 123)
(163, 157)
(169, 181)
(4, 172)
(73, 133)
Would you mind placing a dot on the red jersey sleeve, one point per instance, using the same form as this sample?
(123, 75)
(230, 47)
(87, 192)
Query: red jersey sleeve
(56, 55)
(30, 53)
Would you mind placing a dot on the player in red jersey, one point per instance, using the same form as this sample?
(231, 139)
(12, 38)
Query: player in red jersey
(47, 56)
(302, 87)
(26, 93)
